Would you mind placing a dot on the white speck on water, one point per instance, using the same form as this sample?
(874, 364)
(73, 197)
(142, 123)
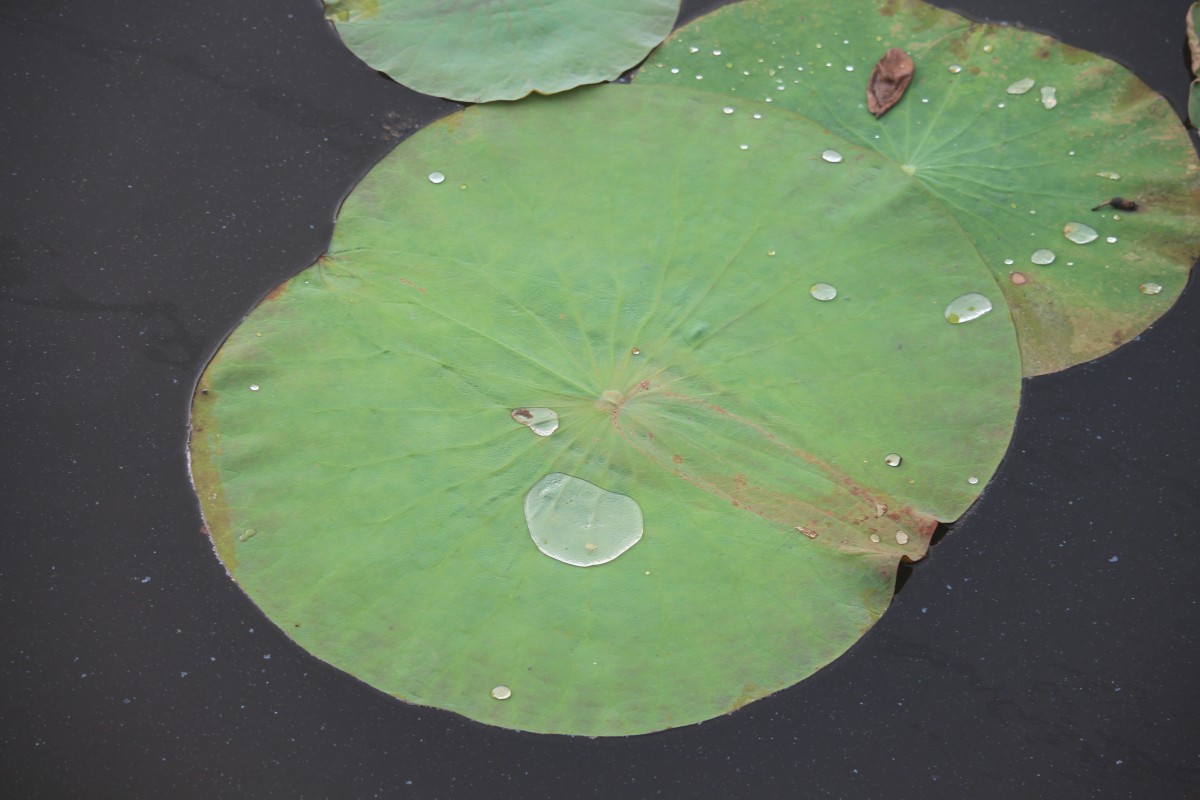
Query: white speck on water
(1113, 560)
(146, 579)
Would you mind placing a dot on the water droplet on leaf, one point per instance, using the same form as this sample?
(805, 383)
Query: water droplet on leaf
(1049, 100)
(823, 291)
(1111, 240)
(1043, 257)
(967, 307)
(1150, 288)
(972, 480)
(436, 177)
(254, 387)
(1079, 233)
(892, 459)
(832, 156)
(901, 537)
(502, 693)
(578, 523)
(1021, 87)
(542, 421)
(955, 69)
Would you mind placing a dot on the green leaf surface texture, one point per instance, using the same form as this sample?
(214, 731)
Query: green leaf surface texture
(1013, 168)
(639, 260)
(480, 50)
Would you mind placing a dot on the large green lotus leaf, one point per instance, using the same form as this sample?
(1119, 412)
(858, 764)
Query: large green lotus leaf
(635, 263)
(1014, 133)
(480, 50)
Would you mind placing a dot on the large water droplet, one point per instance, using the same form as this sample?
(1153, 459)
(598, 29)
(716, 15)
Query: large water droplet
(1043, 257)
(832, 156)
(1150, 288)
(542, 421)
(823, 291)
(1021, 87)
(967, 307)
(502, 693)
(578, 523)
(436, 177)
(901, 537)
(1079, 233)
(892, 459)
(1049, 99)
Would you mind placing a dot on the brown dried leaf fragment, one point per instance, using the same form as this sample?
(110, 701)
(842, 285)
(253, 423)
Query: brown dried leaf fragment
(888, 81)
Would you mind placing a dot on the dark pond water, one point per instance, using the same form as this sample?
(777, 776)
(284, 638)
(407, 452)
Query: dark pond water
(165, 164)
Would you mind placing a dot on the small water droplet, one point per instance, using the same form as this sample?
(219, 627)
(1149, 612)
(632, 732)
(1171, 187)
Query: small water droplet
(1043, 257)
(693, 49)
(924, 99)
(254, 387)
(849, 68)
(832, 156)
(699, 77)
(728, 109)
(972, 480)
(822, 291)
(1116, 217)
(770, 252)
(566, 514)
(1150, 288)
(1008, 262)
(892, 459)
(757, 116)
(1049, 99)
(874, 537)
(880, 510)
(247, 534)
(1018, 278)
(716, 52)
(674, 70)
(501, 692)
(955, 69)
(743, 147)
(901, 537)
(542, 421)
(1111, 239)
(636, 351)
(999, 105)
(967, 307)
(987, 48)
(1021, 87)
(1079, 233)
(436, 177)
(1112, 176)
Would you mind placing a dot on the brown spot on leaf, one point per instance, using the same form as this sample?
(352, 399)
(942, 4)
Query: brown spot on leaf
(678, 459)
(521, 414)
(888, 81)
(1018, 278)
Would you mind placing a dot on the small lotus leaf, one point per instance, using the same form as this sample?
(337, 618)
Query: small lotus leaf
(480, 50)
(756, 453)
(1014, 133)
